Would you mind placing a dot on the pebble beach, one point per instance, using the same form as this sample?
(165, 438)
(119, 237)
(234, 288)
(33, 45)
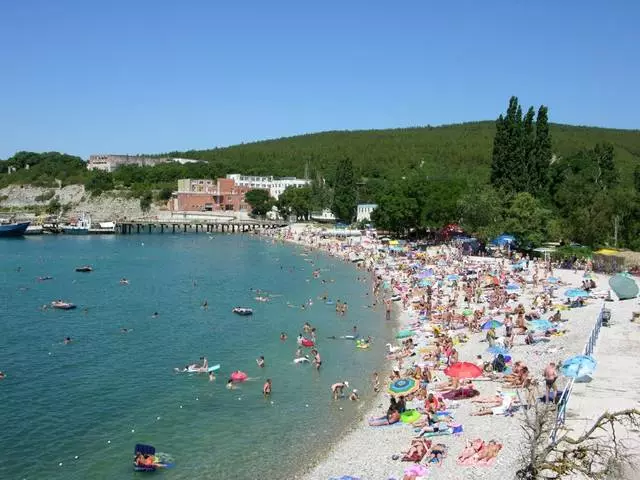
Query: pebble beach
(375, 453)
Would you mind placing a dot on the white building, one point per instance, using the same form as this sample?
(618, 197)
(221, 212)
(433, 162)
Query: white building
(109, 162)
(276, 186)
(363, 214)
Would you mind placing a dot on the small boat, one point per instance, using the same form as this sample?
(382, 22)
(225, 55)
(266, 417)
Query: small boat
(34, 230)
(103, 228)
(80, 227)
(262, 299)
(85, 268)
(13, 229)
(243, 311)
(60, 305)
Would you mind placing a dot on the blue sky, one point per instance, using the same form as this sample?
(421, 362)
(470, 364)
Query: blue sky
(148, 76)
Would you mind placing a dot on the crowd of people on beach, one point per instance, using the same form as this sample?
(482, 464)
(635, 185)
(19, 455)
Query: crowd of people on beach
(443, 299)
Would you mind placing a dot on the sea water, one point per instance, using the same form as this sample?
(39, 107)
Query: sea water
(76, 411)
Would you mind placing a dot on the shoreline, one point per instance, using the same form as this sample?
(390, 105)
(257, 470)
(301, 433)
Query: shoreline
(370, 404)
(366, 452)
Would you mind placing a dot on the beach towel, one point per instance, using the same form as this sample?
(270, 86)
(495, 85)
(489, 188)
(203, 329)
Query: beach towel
(453, 430)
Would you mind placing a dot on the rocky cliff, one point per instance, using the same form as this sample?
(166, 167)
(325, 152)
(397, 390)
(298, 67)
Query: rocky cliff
(108, 206)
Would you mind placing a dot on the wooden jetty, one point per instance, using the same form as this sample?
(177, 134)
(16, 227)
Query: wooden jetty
(197, 226)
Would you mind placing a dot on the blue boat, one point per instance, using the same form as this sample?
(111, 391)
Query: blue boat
(14, 229)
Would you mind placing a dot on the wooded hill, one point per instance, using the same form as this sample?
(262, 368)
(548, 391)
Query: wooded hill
(451, 150)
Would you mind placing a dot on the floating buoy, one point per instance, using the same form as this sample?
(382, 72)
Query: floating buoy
(133, 431)
(60, 464)
(108, 441)
(76, 457)
(157, 418)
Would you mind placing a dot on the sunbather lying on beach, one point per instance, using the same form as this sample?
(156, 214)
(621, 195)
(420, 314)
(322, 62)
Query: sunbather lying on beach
(498, 409)
(418, 449)
(437, 454)
(471, 449)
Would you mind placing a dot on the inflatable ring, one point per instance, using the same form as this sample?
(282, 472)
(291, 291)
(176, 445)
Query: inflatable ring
(239, 376)
(410, 416)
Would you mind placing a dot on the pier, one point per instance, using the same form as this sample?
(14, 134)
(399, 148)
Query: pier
(183, 226)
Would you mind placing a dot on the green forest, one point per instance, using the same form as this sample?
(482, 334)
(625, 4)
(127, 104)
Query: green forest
(521, 173)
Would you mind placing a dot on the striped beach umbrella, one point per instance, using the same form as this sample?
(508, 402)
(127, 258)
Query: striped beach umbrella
(403, 386)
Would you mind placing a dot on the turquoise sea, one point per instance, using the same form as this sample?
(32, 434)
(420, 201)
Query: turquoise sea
(76, 411)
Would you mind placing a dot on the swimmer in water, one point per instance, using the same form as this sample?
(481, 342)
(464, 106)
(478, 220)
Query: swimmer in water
(212, 377)
(266, 388)
(67, 340)
(283, 336)
(260, 361)
(124, 281)
(155, 315)
(124, 330)
(205, 305)
(230, 385)
(2, 376)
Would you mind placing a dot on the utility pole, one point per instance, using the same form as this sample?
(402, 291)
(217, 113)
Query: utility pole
(615, 231)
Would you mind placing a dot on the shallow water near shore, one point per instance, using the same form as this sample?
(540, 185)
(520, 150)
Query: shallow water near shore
(106, 391)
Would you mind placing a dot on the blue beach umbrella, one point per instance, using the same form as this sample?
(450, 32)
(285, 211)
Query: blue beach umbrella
(578, 366)
(491, 324)
(453, 277)
(503, 240)
(552, 280)
(576, 293)
(424, 283)
(403, 386)
(498, 350)
(540, 325)
(513, 286)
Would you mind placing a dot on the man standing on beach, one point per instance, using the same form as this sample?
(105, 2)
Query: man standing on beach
(550, 377)
(387, 308)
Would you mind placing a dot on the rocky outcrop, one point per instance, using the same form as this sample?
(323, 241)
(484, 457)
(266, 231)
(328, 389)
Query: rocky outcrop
(108, 206)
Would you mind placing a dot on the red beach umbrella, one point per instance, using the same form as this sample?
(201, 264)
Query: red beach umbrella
(463, 370)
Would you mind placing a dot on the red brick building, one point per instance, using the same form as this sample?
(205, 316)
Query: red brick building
(209, 196)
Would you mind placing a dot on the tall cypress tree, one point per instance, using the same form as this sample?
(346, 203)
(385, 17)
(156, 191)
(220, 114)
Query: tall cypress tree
(542, 152)
(344, 196)
(529, 140)
(499, 155)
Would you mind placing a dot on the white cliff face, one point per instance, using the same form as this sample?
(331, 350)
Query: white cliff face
(106, 207)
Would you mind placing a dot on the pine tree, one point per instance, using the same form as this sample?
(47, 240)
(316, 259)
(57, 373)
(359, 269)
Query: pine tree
(344, 197)
(542, 152)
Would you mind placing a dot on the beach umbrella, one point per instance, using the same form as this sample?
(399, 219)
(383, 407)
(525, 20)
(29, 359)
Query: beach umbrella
(624, 286)
(576, 293)
(503, 240)
(463, 370)
(497, 350)
(491, 324)
(513, 286)
(578, 366)
(424, 283)
(588, 275)
(552, 280)
(467, 312)
(405, 333)
(403, 386)
(540, 325)
(453, 277)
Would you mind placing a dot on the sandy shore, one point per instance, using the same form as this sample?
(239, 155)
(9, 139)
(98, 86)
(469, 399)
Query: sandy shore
(366, 452)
